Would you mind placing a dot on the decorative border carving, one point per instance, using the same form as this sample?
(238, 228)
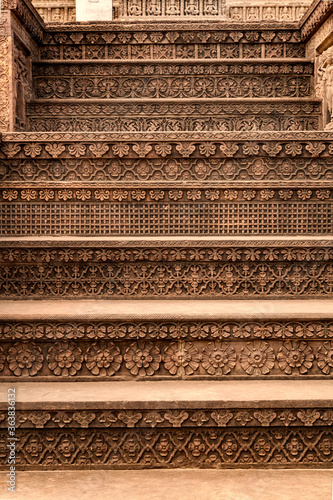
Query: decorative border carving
(165, 330)
(315, 17)
(156, 359)
(28, 16)
(153, 448)
(237, 418)
(85, 271)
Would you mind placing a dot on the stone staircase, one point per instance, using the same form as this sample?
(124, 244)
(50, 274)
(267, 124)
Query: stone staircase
(166, 252)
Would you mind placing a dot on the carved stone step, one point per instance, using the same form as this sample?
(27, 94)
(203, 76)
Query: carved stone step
(118, 340)
(165, 424)
(228, 79)
(170, 116)
(172, 268)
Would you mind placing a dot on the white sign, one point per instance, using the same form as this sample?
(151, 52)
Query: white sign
(94, 10)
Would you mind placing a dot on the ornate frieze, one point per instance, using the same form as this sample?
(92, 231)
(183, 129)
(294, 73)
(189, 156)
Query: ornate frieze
(181, 359)
(169, 51)
(151, 448)
(90, 331)
(152, 272)
(255, 11)
(315, 17)
(172, 156)
(237, 418)
(169, 116)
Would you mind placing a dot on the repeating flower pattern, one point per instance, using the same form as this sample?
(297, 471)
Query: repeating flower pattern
(215, 350)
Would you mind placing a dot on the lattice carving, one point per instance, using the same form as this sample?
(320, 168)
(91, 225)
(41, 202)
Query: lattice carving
(165, 218)
(151, 448)
(161, 51)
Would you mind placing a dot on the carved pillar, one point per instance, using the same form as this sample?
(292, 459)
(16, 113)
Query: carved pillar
(20, 26)
(6, 75)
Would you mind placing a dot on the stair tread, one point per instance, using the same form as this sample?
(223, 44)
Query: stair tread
(181, 484)
(158, 136)
(175, 240)
(174, 393)
(125, 310)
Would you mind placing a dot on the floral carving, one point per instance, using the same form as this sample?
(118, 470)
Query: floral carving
(142, 358)
(55, 149)
(185, 149)
(293, 148)
(98, 149)
(25, 359)
(325, 358)
(265, 417)
(207, 149)
(295, 357)
(176, 418)
(163, 149)
(142, 149)
(77, 150)
(33, 150)
(2, 359)
(103, 359)
(10, 150)
(228, 149)
(120, 149)
(181, 359)
(221, 417)
(218, 358)
(65, 359)
(257, 358)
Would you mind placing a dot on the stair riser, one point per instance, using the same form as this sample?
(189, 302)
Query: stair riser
(174, 448)
(170, 124)
(163, 217)
(165, 360)
(172, 87)
(169, 116)
(172, 330)
(169, 171)
(223, 271)
(167, 51)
